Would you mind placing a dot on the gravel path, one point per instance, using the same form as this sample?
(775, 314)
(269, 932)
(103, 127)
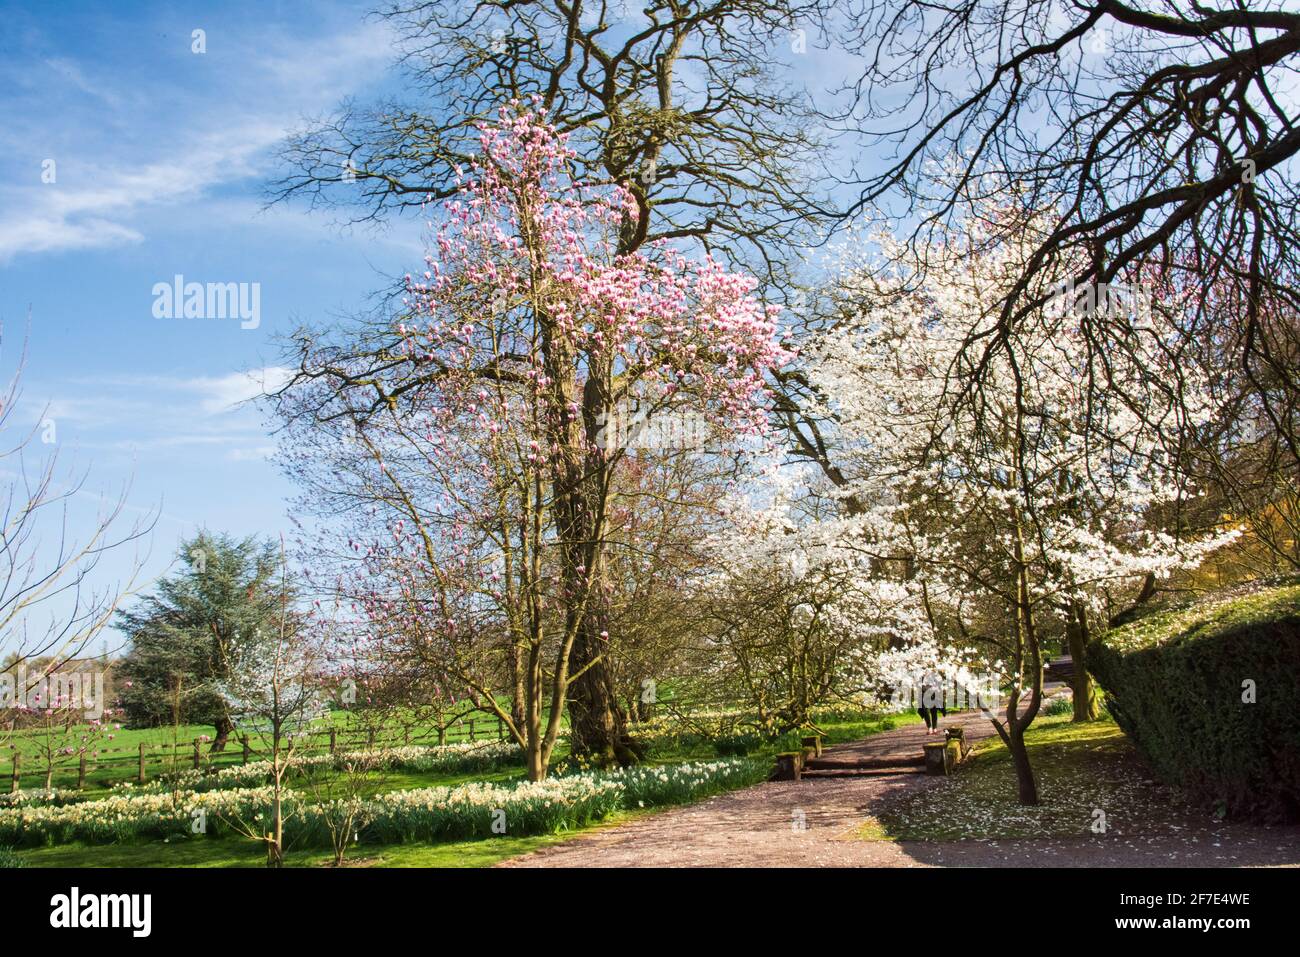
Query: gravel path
(760, 827)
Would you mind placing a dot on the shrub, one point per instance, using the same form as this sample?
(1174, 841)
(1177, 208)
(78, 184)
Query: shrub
(1061, 705)
(737, 744)
(1176, 683)
(9, 859)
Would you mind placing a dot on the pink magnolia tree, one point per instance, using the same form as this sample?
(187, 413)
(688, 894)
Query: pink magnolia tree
(479, 435)
(60, 727)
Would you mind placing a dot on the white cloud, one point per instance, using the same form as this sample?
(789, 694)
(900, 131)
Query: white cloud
(259, 454)
(39, 234)
(226, 393)
(70, 71)
(129, 415)
(116, 397)
(221, 137)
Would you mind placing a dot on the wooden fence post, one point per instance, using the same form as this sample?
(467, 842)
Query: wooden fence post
(471, 729)
(141, 775)
(81, 772)
(333, 739)
(196, 753)
(18, 762)
(370, 739)
(246, 748)
(501, 730)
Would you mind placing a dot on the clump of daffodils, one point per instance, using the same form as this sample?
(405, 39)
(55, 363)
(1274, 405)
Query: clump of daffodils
(477, 809)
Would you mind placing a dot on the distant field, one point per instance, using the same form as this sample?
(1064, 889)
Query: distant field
(115, 757)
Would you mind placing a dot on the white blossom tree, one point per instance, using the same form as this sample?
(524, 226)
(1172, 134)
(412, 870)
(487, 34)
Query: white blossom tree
(1030, 504)
(273, 687)
(796, 620)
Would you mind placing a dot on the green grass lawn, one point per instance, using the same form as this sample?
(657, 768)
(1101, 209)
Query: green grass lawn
(835, 732)
(173, 747)
(1080, 768)
(237, 852)
(121, 764)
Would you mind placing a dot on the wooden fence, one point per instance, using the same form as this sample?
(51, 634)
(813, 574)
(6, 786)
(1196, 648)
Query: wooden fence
(140, 762)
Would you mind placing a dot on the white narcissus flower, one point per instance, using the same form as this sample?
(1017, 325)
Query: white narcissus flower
(436, 810)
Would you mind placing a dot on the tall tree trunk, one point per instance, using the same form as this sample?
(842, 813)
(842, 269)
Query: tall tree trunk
(275, 846)
(536, 751)
(1029, 658)
(597, 721)
(641, 704)
(1086, 706)
(1026, 787)
(536, 765)
(518, 700)
(225, 727)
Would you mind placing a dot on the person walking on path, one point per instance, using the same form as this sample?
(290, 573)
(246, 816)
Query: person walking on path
(931, 703)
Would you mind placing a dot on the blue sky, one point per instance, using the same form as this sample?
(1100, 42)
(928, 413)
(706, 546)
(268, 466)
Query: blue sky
(126, 159)
(160, 158)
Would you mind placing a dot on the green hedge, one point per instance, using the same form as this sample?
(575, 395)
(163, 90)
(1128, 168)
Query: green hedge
(1175, 684)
